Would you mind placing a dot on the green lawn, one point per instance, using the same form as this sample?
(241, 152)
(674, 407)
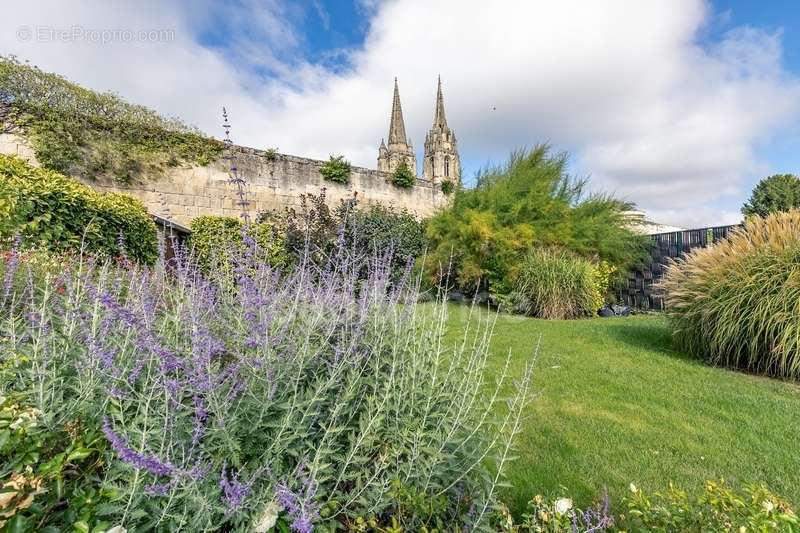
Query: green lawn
(618, 404)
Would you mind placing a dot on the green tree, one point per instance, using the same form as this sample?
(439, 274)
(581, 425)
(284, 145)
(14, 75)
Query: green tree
(780, 192)
(531, 201)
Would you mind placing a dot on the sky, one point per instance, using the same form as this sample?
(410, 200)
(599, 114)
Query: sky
(679, 106)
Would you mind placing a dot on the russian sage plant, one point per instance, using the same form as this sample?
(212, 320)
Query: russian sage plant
(314, 396)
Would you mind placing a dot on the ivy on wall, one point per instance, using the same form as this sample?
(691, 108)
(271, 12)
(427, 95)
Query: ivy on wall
(86, 134)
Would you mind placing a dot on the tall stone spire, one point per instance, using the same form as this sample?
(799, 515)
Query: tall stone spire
(441, 162)
(438, 117)
(398, 149)
(397, 127)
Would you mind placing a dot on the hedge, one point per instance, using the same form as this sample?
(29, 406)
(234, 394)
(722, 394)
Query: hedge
(52, 210)
(214, 238)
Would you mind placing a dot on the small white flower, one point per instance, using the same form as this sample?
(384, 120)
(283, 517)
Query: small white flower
(268, 518)
(633, 488)
(563, 505)
(117, 529)
(768, 506)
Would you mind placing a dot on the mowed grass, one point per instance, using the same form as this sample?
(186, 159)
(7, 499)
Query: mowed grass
(617, 404)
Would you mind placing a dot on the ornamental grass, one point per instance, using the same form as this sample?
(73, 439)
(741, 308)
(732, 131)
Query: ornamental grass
(737, 303)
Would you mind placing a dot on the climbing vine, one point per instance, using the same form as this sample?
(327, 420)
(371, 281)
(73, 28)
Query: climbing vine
(87, 134)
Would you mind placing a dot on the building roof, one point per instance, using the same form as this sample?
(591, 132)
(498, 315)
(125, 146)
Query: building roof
(638, 222)
(171, 224)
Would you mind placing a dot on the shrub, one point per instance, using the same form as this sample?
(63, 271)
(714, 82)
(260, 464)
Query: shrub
(311, 232)
(84, 133)
(780, 192)
(557, 284)
(292, 398)
(12, 211)
(380, 231)
(41, 468)
(403, 177)
(718, 508)
(271, 154)
(216, 239)
(479, 241)
(336, 169)
(448, 187)
(314, 231)
(736, 303)
(60, 213)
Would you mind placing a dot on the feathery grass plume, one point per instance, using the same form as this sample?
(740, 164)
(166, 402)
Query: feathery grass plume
(557, 284)
(737, 303)
(316, 389)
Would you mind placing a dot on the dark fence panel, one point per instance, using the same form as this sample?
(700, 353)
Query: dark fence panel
(637, 290)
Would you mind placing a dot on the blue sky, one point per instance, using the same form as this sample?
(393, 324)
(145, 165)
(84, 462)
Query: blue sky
(783, 16)
(327, 30)
(677, 105)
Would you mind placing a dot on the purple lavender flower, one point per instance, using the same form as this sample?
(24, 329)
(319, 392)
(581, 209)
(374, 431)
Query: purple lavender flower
(234, 491)
(234, 177)
(299, 505)
(138, 460)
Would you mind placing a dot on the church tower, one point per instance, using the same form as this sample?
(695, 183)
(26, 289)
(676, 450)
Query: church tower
(399, 149)
(441, 153)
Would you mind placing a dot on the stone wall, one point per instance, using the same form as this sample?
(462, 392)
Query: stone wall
(184, 193)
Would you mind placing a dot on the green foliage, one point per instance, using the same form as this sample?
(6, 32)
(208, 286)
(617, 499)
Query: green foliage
(560, 515)
(12, 210)
(557, 284)
(379, 231)
(328, 392)
(448, 187)
(58, 212)
(310, 231)
(373, 231)
(780, 192)
(736, 303)
(403, 177)
(336, 169)
(531, 201)
(49, 472)
(84, 133)
(216, 239)
(718, 508)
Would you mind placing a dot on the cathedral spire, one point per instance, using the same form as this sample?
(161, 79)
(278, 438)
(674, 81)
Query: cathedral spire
(441, 161)
(398, 150)
(439, 118)
(397, 128)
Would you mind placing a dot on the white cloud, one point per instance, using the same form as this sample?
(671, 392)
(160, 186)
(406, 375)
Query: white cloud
(624, 85)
